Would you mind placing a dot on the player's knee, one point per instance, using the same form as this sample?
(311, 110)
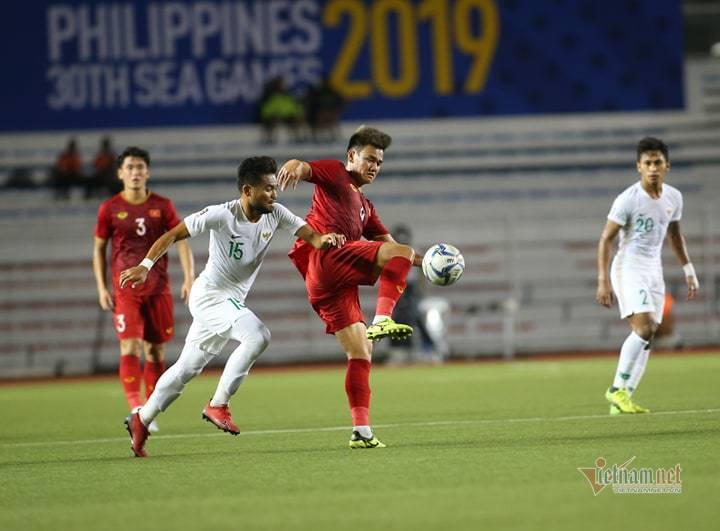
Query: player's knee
(646, 331)
(155, 352)
(400, 249)
(257, 334)
(391, 250)
(261, 337)
(133, 347)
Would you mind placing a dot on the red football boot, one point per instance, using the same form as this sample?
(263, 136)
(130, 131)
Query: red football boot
(221, 417)
(138, 434)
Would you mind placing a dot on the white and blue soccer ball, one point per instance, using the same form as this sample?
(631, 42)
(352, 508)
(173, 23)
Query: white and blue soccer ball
(443, 264)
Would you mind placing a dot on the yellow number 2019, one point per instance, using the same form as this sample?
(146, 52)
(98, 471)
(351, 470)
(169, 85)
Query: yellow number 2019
(450, 26)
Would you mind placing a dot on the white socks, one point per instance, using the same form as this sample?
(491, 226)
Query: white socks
(629, 354)
(638, 370)
(364, 431)
(379, 318)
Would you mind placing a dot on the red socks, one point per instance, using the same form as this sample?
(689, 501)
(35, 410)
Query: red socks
(393, 281)
(357, 388)
(151, 373)
(131, 378)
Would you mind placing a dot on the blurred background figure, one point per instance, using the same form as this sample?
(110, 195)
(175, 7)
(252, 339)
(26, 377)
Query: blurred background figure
(323, 106)
(67, 171)
(104, 181)
(426, 316)
(666, 336)
(20, 178)
(279, 106)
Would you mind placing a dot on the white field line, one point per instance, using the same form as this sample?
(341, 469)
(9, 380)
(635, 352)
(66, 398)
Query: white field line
(379, 426)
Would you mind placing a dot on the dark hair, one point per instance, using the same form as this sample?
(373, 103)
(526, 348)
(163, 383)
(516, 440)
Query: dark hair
(650, 143)
(252, 169)
(133, 151)
(369, 136)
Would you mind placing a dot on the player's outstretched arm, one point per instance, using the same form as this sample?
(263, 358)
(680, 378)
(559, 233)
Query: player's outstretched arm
(320, 241)
(137, 275)
(677, 243)
(188, 266)
(292, 172)
(100, 270)
(604, 295)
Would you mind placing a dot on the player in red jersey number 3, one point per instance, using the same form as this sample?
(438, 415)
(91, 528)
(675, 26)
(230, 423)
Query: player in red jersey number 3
(143, 316)
(332, 277)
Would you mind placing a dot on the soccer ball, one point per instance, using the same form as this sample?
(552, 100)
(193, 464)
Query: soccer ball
(443, 264)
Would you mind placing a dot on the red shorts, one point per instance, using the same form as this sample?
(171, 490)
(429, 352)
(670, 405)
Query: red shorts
(148, 317)
(333, 278)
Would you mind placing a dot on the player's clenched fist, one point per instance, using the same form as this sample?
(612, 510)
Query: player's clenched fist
(134, 276)
(604, 295)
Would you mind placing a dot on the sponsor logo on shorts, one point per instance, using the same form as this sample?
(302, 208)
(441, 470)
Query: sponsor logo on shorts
(155, 213)
(122, 215)
(169, 330)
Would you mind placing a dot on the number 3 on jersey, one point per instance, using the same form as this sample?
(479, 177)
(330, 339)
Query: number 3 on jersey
(141, 228)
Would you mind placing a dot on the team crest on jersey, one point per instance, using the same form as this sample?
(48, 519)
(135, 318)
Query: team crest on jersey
(122, 215)
(668, 211)
(154, 213)
(266, 235)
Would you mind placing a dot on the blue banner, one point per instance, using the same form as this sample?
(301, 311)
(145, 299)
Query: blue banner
(83, 64)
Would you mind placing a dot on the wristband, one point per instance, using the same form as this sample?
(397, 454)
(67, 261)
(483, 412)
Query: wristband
(689, 270)
(147, 263)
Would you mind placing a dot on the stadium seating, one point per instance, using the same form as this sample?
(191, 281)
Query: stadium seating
(523, 198)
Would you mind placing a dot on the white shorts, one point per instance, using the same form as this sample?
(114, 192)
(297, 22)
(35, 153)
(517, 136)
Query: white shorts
(638, 288)
(214, 313)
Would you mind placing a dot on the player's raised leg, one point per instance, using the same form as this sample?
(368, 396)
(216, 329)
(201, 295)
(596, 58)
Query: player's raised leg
(394, 261)
(254, 338)
(358, 348)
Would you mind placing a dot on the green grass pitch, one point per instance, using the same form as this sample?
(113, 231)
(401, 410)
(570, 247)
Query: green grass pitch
(470, 446)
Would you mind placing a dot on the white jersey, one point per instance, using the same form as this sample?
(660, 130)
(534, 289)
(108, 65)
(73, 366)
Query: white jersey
(237, 246)
(644, 223)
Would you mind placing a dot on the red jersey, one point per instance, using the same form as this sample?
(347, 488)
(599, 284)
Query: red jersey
(339, 206)
(133, 229)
